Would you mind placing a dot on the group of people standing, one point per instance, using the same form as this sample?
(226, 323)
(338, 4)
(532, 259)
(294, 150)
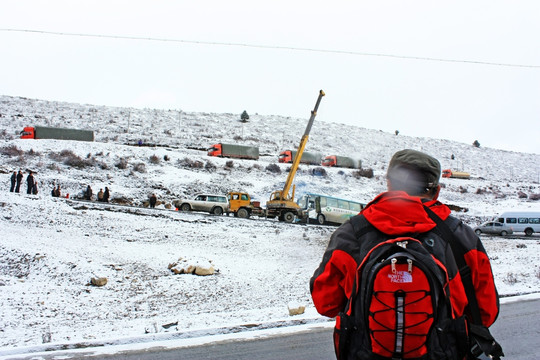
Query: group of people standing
(32, 187)
(102, 196)
(56, 192)
(16, 180)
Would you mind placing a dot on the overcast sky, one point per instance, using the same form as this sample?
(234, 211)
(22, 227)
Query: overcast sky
(461, 70)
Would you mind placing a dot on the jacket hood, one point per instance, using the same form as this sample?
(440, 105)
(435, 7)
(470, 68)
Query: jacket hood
(397, 213)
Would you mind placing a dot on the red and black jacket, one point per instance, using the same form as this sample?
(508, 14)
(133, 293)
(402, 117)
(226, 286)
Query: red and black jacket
(395, 214)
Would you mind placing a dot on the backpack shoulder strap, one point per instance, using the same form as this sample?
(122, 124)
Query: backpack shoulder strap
(360, 225)
(482, 342)
(459, 255)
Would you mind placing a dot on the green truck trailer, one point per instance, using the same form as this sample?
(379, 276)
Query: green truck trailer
(287, 156)
(43, 132)
(234, 151)
(341, 161)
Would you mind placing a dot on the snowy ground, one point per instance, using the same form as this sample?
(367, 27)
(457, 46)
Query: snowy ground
(51, 248)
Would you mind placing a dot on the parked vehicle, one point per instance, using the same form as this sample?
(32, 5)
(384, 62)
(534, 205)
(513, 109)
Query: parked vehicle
(214, 204)
(287, 156)
(240, 205)
(234, 151)
(324, 209)
(448, 173)
(43, 132)
(522, 221)
(493, 227)
(341, 161)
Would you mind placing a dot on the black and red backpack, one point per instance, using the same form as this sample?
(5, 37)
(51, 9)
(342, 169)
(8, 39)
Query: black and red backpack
(400, 306)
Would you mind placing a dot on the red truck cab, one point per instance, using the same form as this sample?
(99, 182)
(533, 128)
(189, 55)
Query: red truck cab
(329, 160)
(215, 150)
(28, 133)
(285, 156)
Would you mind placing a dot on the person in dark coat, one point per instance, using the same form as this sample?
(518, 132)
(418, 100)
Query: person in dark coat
(13, 181)
(106, 195)
(153, 200)
(88, 193)
(19, 180)
(30, 182)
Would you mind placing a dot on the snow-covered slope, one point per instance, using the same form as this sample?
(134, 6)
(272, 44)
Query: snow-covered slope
(52, 247)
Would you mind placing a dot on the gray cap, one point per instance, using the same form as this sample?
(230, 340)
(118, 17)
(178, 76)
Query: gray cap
(413, 171)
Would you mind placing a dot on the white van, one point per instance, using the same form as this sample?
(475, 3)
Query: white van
(523, 221)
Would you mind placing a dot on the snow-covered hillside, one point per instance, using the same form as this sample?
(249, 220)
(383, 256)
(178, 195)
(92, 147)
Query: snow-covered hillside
(498, 176)
(52, 247)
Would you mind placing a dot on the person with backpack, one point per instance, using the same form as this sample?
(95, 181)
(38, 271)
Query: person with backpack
(404, 278)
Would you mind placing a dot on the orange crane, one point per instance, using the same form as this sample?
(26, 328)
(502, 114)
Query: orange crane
(281, 203)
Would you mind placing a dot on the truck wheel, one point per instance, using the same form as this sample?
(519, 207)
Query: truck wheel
(528, 232)
(288, 217)
(321, 219)
(504, 233)
(185, 207)
(243, 213)
(478, 231)
(217, 210)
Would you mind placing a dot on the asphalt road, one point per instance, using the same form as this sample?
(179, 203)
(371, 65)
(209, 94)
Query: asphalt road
(517, 329)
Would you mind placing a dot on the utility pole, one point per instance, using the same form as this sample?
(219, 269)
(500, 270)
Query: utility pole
(179, 118)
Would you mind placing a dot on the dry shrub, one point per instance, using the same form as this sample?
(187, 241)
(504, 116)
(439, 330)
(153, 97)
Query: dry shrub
(32, 152)
(522, 195)
(318, 171)
(273, 168)
(367, 173)
(139, 167)
(11, 150)
(69, 158)
(190, 163)
(210, 166)
(510, 278)
(122, 164)
(154, 159)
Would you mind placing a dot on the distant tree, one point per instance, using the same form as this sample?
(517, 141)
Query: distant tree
(244, 117)
(397, 132)
(476, 143)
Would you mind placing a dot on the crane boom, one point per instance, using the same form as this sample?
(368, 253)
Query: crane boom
(296, 161)
(281, 204)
